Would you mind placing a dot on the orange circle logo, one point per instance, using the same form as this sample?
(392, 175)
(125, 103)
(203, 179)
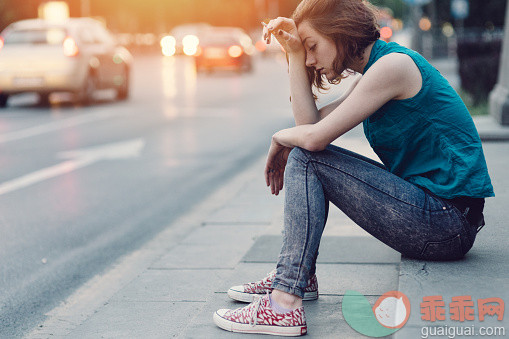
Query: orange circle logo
(392, 309)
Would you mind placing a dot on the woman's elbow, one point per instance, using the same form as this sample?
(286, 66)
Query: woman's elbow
(314, 144)
(316, 147)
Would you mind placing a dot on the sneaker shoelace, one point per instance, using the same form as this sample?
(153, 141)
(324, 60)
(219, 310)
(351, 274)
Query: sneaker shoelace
(255, 308)
(268, 278)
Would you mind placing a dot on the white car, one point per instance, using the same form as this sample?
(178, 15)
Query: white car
(78, 55)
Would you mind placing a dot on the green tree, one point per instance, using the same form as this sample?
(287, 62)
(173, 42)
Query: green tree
(398, 7)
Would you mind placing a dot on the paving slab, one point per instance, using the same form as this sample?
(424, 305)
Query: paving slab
(223, 249)
(333, 249)
(224, 235)
(201, 256)
(242, 214)
(258, 199)
(345, 230)
(324, 318)
(138, 320)
(255, 190)
(420, 279)
(368, 279)
(335, 279)
(251, 204)
(483, 273)
(179, 285)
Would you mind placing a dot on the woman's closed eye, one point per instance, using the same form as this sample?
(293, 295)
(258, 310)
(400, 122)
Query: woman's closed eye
(312, 48)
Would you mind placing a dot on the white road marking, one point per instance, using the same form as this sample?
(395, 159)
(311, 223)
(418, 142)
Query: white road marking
(56, 125)
(79, 158)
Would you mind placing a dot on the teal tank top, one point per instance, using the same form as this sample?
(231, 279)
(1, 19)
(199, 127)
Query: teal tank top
(430, 139)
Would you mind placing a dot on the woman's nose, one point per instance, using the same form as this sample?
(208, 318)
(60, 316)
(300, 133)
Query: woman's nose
(310, 60)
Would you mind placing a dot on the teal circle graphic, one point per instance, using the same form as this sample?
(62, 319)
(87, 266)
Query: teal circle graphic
(358, 313)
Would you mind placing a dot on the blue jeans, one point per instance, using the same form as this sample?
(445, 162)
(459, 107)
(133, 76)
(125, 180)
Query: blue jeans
(405, 217)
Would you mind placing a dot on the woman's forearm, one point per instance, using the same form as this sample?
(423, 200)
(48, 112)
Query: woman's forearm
(303, 104)
(302, 136)
(327, 109)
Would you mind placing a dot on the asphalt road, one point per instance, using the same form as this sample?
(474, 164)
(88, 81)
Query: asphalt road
(82, 186)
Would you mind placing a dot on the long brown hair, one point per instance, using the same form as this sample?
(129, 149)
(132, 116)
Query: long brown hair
(351, 24)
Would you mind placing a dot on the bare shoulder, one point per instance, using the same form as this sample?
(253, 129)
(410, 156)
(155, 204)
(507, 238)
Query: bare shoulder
(397, 63)
(398, 70)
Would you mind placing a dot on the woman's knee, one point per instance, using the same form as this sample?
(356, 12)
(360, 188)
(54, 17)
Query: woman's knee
(296, 166)
(298, 153)
(304, 156)
(297, 156)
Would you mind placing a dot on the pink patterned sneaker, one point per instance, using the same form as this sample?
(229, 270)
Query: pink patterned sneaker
(248, 292)
(258, 317)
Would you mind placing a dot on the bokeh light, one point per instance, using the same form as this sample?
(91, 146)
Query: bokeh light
(261, 46)
(385, 33)
(70, 47)
(235, 51)
(425, 24)
(54, 11)
(397, 24)
(448, 30)
(190, 44)
(168, 45)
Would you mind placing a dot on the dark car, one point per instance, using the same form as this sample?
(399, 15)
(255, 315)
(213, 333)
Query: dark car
(224, 48)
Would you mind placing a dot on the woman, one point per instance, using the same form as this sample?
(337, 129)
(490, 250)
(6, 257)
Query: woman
(425, 200)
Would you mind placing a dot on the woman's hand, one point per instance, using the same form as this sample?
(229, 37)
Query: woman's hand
(275, 166)
(285, 31)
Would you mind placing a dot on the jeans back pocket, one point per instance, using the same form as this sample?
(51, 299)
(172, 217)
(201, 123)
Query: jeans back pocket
(449, 249)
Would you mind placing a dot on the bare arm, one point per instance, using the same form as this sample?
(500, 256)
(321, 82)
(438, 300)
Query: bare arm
(303, 104)
(394, 76)
(327, 109)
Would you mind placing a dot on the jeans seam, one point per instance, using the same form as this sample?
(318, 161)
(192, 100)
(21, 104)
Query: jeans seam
(308, 162)
(464, 223)
(375, 164)
(442, 203)
(307, 229)
(331, 166)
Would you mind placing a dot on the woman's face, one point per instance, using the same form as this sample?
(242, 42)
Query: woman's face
(320, 50)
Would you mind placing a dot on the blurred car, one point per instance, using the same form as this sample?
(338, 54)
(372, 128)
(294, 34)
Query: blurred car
(224, 47)
(183, 39)
(274, 48)
(78, 55)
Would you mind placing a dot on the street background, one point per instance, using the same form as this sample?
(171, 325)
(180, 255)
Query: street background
(132, 218)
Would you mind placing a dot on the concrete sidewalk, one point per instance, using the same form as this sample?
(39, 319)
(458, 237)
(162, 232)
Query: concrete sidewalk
(484, 272)
(172, 286)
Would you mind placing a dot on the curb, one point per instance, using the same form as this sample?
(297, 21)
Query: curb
(490, 130)
(494, 137)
